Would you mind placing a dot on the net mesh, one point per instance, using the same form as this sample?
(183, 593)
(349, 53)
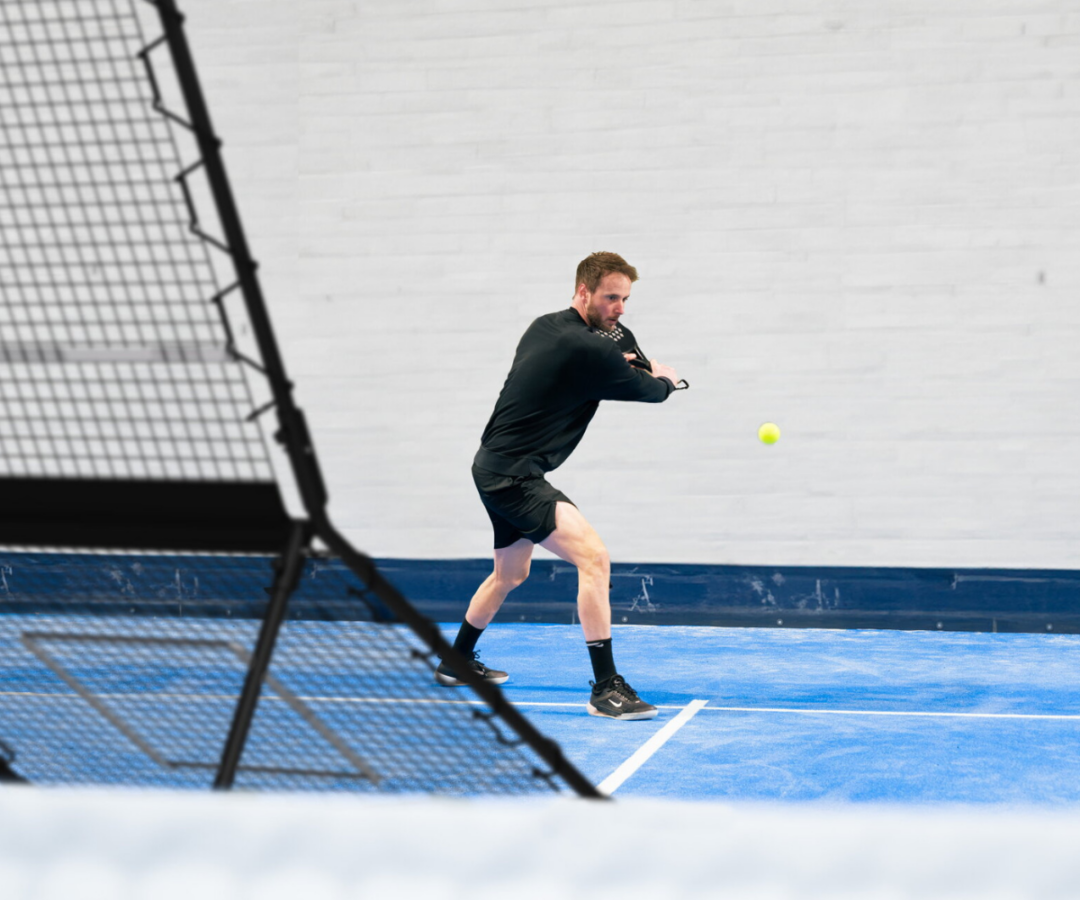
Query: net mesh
(119, 359)
(115, 360)
(139, 687)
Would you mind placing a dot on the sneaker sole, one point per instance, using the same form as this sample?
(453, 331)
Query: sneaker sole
(447, 681)
(626, 717)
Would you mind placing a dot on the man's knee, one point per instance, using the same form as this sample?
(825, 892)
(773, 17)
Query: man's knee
(511, 576)
(595, 560)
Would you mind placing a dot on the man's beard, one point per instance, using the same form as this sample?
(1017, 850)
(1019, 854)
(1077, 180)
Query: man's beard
(593, 317)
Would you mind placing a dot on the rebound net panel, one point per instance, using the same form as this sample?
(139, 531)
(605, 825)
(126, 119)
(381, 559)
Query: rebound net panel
(116, 359)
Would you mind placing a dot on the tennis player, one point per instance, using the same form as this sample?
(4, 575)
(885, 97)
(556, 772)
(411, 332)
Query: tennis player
(565, 364)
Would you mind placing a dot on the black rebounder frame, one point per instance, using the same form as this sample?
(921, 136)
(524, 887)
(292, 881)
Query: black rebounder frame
(165, 515)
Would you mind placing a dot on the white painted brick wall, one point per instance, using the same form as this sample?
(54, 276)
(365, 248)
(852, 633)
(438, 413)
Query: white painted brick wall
(858, 219)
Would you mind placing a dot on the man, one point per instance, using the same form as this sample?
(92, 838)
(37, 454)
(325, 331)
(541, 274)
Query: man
(565, 364)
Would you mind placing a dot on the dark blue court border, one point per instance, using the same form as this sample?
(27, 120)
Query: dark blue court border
(981, 600)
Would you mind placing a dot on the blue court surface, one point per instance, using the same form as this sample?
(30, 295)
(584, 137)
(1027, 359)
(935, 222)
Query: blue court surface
(799, 715)
(745, 714)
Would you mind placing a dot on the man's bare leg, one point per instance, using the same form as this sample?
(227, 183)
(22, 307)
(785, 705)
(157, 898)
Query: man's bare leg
(511, 569)
(577, 542)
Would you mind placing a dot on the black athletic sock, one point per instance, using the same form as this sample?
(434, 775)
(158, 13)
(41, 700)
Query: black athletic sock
(603, 663)
(467, 636)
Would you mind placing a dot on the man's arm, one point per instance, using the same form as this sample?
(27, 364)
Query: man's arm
(636, 357)
(615, 379)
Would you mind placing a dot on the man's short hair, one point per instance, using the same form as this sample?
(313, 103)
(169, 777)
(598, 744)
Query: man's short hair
(592, 269)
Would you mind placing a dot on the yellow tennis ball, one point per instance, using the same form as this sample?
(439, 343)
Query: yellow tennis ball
(769, 433)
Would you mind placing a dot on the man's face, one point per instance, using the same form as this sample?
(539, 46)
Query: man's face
(607, 303)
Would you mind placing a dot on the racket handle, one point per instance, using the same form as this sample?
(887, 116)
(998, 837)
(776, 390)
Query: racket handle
(642, 361)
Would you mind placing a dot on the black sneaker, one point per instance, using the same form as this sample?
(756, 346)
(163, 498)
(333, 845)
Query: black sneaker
(448, 678)
(615, 699)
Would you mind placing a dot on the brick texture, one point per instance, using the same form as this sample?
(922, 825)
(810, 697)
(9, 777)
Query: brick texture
(859, 220)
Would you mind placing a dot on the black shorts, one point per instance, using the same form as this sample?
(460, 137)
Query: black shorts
(519, 506)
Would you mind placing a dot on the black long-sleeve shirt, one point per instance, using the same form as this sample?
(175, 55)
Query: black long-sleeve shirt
(562, 370)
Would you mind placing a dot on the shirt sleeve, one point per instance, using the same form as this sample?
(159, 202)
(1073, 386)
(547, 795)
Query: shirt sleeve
(613, 378)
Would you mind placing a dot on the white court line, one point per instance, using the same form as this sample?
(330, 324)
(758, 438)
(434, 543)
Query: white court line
(610, 784)
(562, 705)
(892, 712)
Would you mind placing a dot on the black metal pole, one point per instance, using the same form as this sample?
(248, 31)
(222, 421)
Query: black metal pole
(288, 572)
(7, 757)
(8, 774)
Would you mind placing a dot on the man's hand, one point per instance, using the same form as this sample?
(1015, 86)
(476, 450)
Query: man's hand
(659, 370)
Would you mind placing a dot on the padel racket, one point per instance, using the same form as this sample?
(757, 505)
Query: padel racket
(624, 337)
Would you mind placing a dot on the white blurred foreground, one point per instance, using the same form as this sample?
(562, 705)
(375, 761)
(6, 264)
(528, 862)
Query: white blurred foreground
(100, 845)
